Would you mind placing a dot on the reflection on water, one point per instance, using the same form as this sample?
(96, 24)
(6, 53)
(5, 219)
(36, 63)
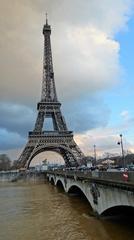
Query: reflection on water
(42, 212)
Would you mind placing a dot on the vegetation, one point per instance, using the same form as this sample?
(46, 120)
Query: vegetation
(5, 162)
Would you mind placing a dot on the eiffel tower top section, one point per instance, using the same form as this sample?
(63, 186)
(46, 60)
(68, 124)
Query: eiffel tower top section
(48, 83)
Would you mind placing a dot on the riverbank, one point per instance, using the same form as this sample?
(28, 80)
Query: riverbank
(17, 176)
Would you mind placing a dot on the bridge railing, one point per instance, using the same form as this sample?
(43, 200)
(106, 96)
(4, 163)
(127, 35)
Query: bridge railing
(102, 175)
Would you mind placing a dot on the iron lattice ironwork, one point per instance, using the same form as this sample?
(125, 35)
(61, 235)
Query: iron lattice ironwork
(59, 139)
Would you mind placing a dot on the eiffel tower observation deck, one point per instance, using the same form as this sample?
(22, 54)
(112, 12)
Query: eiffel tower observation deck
(59, 139)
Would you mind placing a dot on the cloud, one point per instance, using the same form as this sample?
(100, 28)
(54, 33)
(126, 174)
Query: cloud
(125, 114)
(16, 118)
(85, 53)
(105, 139)
(15, 122)
(127, 118)
(9, 140)
(106, 15)
(84, 114)
(91, 63)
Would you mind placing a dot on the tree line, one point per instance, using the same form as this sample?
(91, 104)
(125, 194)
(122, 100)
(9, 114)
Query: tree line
(6, 163)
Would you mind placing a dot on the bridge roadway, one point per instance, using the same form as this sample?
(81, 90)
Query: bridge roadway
(105, 191)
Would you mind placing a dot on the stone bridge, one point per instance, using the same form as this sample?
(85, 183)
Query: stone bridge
(105, 191)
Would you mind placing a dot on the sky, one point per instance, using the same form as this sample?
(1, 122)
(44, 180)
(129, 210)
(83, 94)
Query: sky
(92, 46)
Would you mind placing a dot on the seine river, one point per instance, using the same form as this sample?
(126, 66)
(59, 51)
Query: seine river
(42, 212)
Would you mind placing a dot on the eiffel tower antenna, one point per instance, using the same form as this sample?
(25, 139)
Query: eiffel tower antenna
(46, 18)
(59, 139)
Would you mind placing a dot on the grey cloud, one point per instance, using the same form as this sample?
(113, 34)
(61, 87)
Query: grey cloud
(21, 47)
(87, 113)
(17, 119)
(86, 59)
(106, 15)
(10, 140)
(21, 119)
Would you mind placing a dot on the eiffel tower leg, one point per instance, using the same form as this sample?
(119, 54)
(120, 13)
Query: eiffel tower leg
(70, 160)
(23, 159)
(79, 156)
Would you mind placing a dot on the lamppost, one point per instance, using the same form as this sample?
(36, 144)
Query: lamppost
(94, 154)
(122, 151)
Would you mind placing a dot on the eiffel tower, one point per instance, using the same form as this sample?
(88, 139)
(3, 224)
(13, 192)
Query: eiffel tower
(60, 139)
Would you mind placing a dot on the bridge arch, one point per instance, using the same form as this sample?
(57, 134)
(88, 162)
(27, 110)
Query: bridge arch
(76, 189)
(61, 149)
(60, 184)
(52, 181)
(121, 210)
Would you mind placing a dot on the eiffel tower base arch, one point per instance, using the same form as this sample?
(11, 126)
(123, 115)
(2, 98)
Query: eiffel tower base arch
(69, 150)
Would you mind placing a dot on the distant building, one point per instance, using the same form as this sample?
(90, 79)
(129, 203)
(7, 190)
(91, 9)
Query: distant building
(89, 161)
(44, 167)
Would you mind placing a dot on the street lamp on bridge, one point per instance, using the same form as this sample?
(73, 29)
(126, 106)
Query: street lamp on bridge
(122, 151)
(94, 154)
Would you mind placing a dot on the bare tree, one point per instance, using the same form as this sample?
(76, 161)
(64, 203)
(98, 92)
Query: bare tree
(5, 162)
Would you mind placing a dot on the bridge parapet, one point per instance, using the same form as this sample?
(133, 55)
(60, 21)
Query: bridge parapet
(101, 175)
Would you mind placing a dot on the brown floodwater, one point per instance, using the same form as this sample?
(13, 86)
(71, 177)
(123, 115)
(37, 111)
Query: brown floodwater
(42, 212)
